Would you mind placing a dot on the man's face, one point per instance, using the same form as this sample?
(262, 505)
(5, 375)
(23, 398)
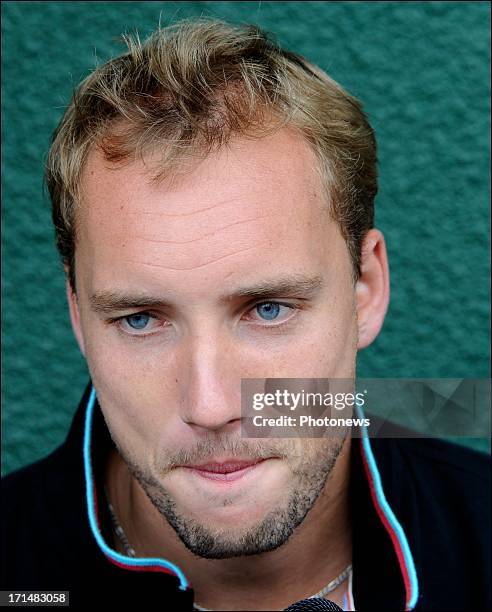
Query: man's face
(237, 271)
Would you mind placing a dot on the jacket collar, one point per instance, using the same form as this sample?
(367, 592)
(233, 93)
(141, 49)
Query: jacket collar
(384, 574)
(384, 568)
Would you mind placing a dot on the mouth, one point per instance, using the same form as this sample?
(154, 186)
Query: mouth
(225, 471)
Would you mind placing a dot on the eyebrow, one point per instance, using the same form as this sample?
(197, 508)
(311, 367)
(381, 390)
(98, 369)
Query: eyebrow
(292, 286)
(297, 286)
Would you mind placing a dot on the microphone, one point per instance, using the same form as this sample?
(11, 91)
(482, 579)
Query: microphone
(313, 604)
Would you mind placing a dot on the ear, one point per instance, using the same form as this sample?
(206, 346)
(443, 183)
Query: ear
(73, 306)
(372, 288)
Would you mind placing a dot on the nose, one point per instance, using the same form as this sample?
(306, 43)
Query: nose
(210, 384)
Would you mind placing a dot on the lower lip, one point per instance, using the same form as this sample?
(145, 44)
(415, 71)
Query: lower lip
(230, 476)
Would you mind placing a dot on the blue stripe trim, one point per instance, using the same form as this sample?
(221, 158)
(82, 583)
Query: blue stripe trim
(393, 521)
(130, 561)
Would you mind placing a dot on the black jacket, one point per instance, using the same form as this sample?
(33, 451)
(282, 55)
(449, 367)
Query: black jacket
(420, 516)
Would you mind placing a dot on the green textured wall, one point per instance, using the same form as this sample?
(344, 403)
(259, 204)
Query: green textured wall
(422, 71)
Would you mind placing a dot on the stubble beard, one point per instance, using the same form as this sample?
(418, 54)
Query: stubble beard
(310, 474)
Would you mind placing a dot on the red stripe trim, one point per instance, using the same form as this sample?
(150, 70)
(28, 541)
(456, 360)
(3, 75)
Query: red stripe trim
(393, 535)
(142, 568)
(135, 568)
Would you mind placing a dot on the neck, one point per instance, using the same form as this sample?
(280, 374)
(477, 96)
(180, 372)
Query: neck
(318, 550)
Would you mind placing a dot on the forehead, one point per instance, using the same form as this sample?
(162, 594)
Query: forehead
(252, 201)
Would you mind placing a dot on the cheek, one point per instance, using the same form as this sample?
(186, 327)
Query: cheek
(327, 349)
(124, 366)
(136, 396)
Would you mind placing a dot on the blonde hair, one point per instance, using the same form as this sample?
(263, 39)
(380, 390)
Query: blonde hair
(185, 91)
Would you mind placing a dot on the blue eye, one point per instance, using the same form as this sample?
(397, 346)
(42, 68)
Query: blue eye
(138, 321)
(268, 310)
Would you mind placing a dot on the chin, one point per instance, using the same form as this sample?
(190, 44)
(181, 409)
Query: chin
(237, 529)
(228, 515)
(205, 540)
